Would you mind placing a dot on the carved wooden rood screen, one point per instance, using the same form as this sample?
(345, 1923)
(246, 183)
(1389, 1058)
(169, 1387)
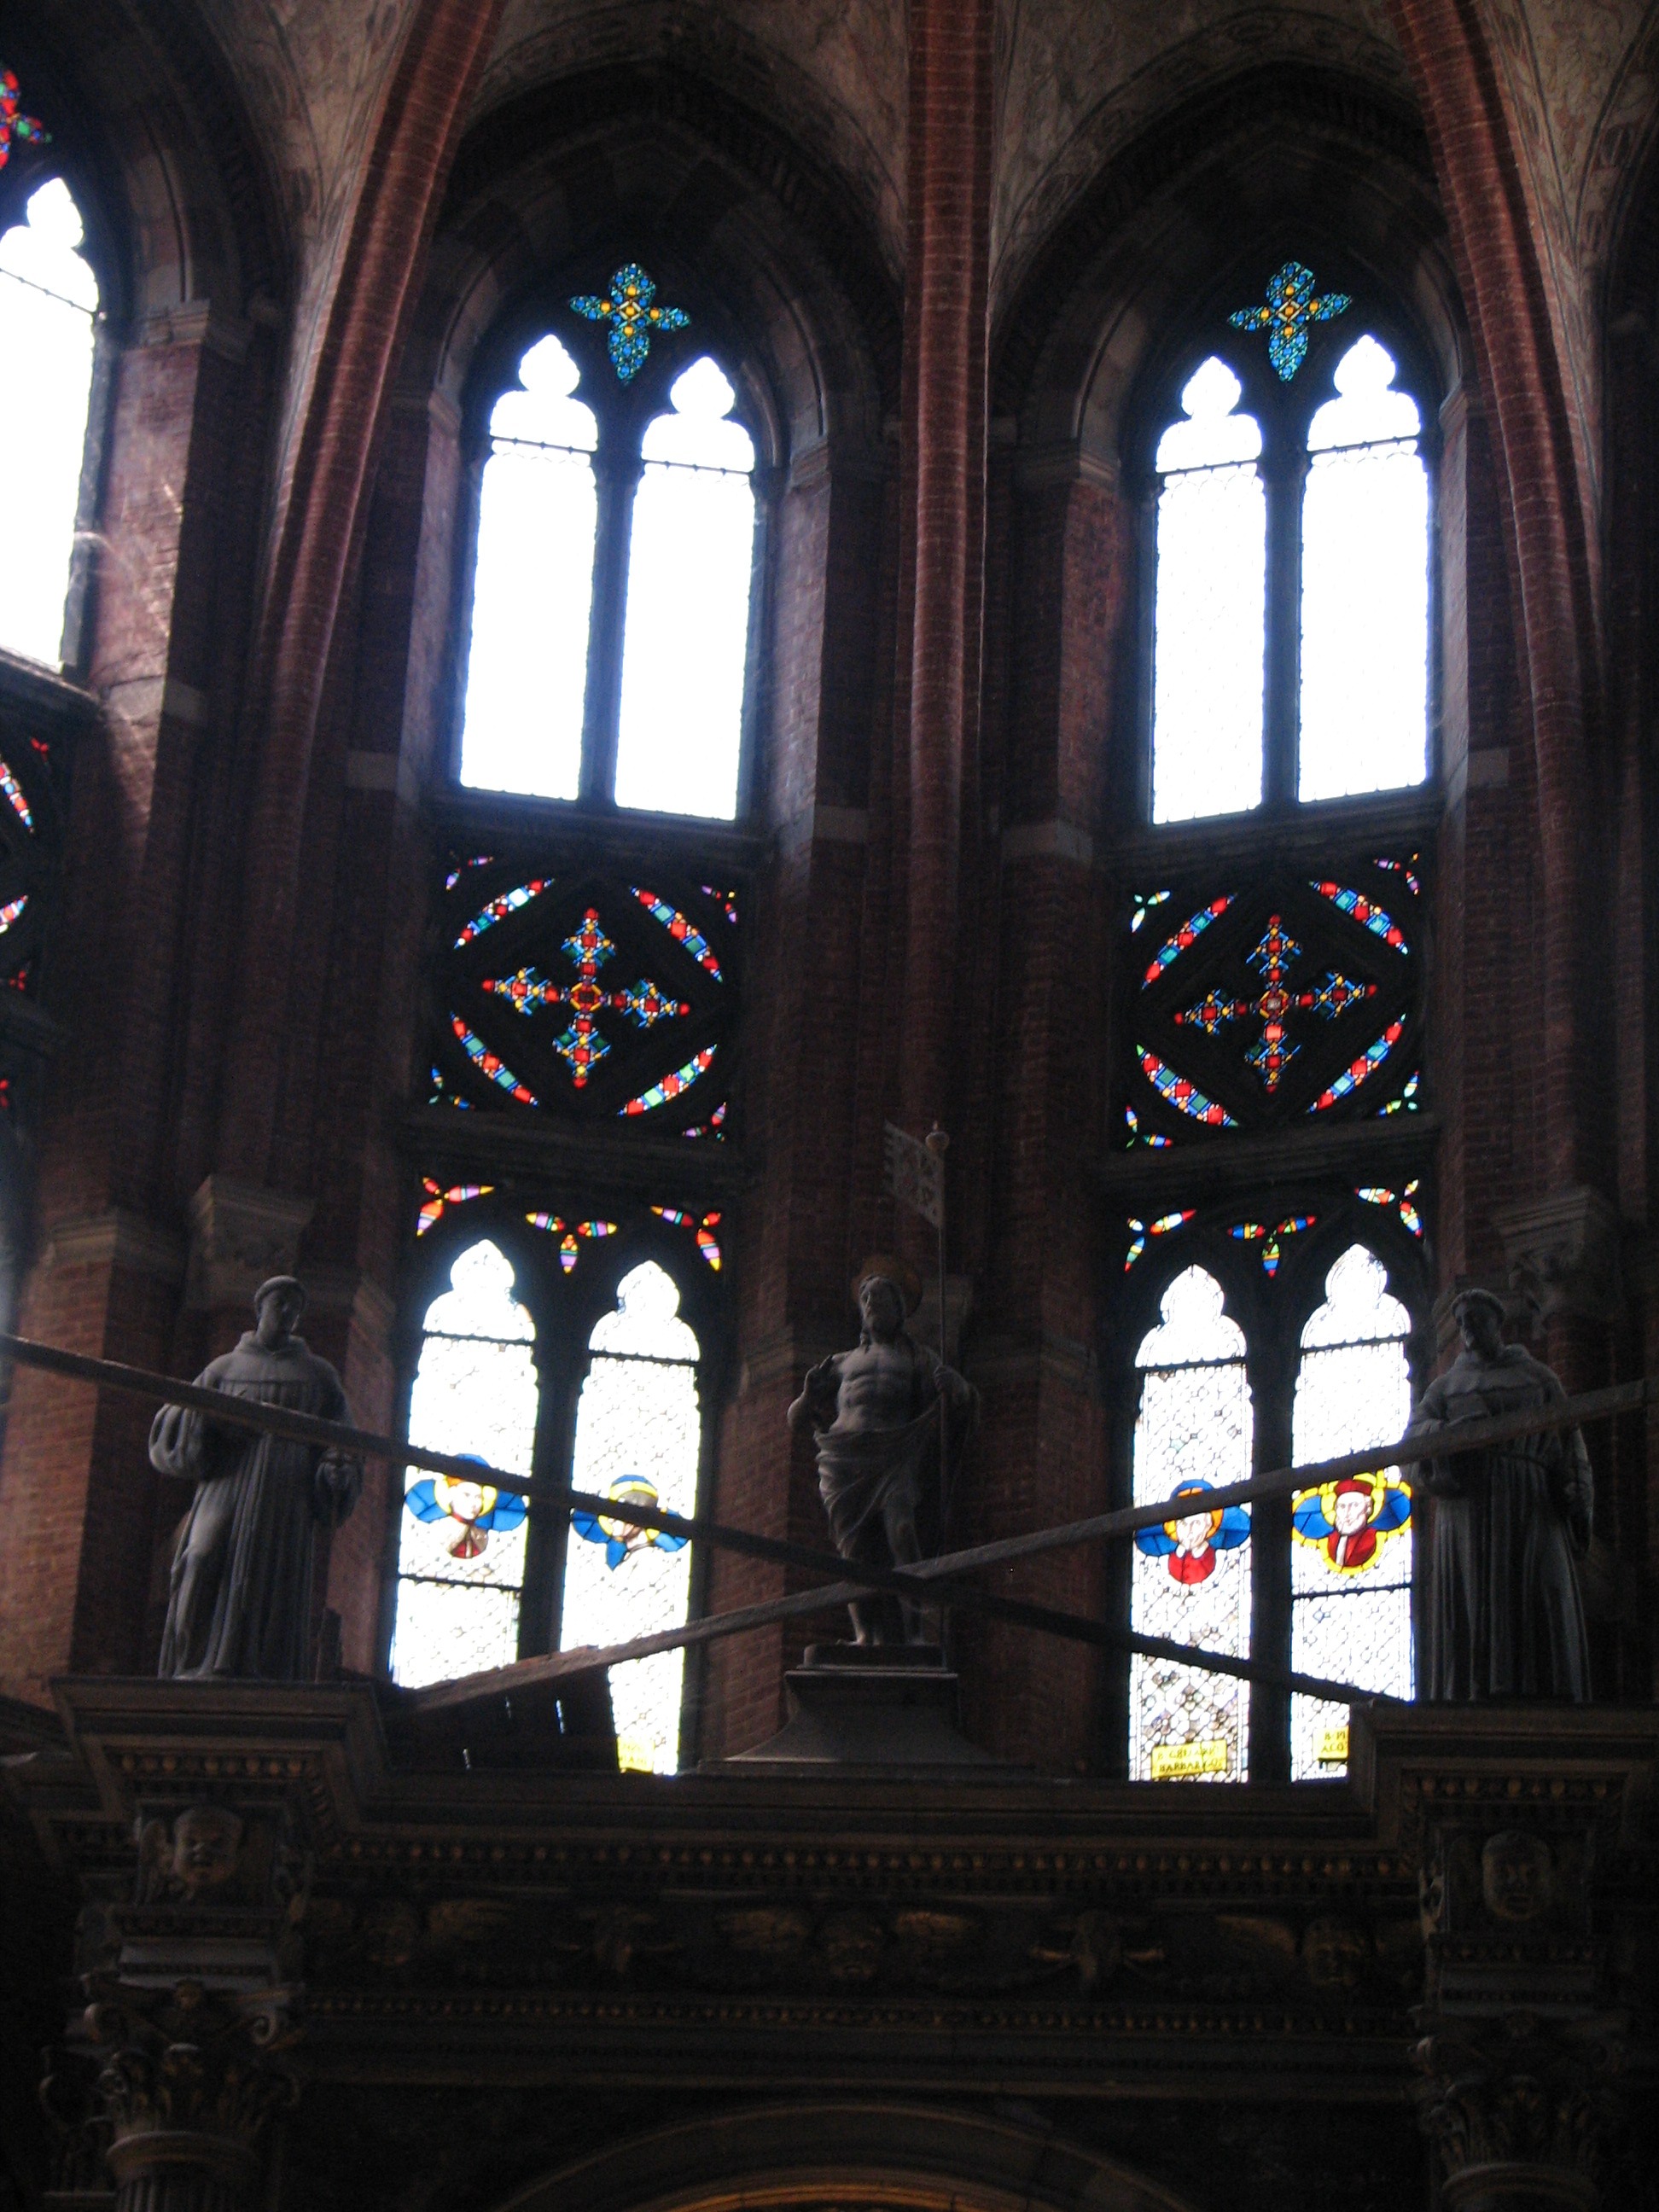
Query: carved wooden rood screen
(848, 1579)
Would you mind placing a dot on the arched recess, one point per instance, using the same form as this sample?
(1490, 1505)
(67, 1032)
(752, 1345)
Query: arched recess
(186, 236)
(552, 191)
(784, 286)
(1624, 1511)
(1287, 158)
(864, 2154)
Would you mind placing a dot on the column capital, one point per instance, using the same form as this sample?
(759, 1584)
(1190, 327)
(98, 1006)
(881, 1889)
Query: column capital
(188, 2077)
(1524, 2111)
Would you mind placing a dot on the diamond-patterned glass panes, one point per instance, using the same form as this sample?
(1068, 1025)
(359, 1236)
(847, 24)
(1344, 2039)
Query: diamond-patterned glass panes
(1365, 587)
(686, 643)
(1192, 1574)
(48, 299)
(1350, 1564)
(461, 1546)
(637, 1431)
(533, 586)
(1210, 614)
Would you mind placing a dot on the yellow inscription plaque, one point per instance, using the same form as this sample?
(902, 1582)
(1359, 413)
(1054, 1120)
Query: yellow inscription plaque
(1178, 1762)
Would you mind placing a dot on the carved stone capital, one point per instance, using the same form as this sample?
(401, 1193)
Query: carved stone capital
(188, 2077)
(240, 1234)
(1562, 1253)
(1522, 2112)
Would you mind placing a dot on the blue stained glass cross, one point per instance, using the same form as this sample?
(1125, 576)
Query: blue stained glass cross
(582, 1046)
(1273, 1052)
(1290, 307)
(634, 320)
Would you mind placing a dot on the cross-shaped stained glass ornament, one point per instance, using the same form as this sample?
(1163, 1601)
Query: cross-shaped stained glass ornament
(14, 123)
(1290, 307)
(582, 1046)
(632, 319)
(1273, 1052)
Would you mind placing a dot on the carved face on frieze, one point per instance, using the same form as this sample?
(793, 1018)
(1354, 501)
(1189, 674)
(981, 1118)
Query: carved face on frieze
(206, 1840)
(1517, 1875)
(1334, 1953)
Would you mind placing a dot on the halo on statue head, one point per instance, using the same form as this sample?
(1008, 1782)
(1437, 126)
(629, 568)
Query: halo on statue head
(1465, 1299)
(889, 1269)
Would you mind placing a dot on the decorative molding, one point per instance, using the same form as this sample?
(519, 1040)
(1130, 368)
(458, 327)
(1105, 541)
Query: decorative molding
(393, 772)
(1053, 840)
(119, 1239)
(240, 1234)
(1563, 1254)
(840, 825)
(371, 1310)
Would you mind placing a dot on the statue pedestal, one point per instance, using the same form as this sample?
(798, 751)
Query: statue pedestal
(883, 1708)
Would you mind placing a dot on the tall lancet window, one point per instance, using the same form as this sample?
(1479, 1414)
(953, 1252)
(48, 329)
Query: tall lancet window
(1350, 1561)
(609, 650)
(637, 1433)
(461, 1551)
(48, 310)
(1365, 587)
(1209, 630)
(1290, 571)
(1192, 1573)
(687, 639)
(533, 586)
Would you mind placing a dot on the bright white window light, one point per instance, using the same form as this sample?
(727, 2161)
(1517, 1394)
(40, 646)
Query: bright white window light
(48, 299)
(475, 1393)
(532, 587)
(1350, 1615)
(1192, 1579)
(637, 1429)
(1210, 620)
(685, 647)
(1365, 587)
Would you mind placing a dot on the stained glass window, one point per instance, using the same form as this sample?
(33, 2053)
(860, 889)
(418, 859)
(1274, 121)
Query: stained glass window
(1192, 1574)
(648, 711)
(48, 306)
(1351, 1553)
(1210, 631)
(1364, 587)
(1305, 678)
(686, 646)
(584, 996)
(533, 586)
(638, 1429)
(461, 1546)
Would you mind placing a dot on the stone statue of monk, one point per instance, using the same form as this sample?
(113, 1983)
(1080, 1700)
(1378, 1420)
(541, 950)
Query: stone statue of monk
(239, 1600)
(875, 1414)
(1504, 1617)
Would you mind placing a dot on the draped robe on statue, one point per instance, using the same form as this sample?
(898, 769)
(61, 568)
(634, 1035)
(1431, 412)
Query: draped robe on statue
(1505, 1618)
(240, 1599)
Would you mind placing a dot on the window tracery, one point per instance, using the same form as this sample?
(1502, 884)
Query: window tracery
(558, 1349)
(609, 646)
(1291, 573)
(585, 996)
